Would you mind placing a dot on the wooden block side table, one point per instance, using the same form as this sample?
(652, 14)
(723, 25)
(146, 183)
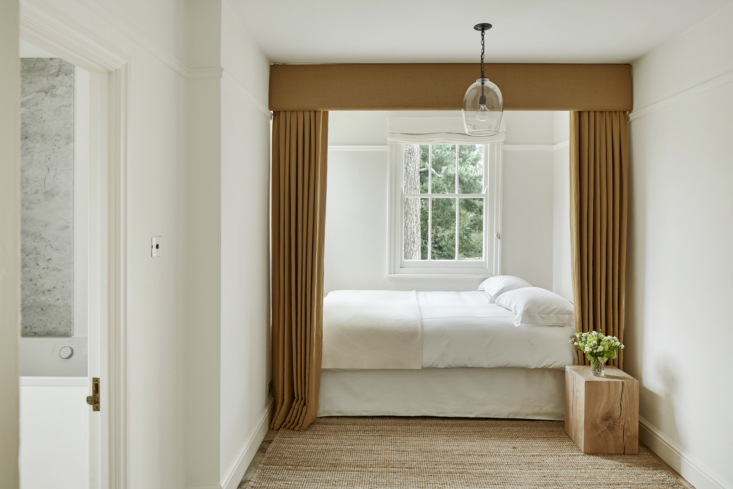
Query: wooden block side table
(602, 413)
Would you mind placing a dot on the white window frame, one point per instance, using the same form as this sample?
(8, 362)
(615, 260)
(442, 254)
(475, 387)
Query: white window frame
(491, 262)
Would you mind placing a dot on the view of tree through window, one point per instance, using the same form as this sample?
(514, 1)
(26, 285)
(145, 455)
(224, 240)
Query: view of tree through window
(444, 203)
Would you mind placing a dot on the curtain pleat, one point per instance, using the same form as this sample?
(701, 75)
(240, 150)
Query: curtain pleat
(299, 151)
(598, 221)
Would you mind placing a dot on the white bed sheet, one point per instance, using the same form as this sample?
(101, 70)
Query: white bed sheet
(463, 329)
(456, 392)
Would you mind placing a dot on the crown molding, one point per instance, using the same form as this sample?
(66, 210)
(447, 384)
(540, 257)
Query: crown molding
(127, 28)
(355, 147)
(683, 96)
(528, 147)
(240, 89)
(536, 147)
(205, 73)
(49, 29)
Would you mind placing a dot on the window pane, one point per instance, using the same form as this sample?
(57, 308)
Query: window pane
(424, 216)
(424, 161)
(412, 232)
(471, 169)
(471, 229)
(444, 169)
(411, 169)
(444, 229)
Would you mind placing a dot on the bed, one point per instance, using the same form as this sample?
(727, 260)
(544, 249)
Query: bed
(398, 353)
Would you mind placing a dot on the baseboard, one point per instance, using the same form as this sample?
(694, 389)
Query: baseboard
(234, 474)
(694, 471)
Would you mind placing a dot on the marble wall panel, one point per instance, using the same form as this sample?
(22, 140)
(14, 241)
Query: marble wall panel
(47, 197)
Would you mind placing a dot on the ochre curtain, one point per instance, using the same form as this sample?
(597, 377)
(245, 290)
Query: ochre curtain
(299, 149)
(598, 221)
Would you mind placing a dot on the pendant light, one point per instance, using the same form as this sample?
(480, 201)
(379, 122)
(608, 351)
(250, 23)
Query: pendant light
(483, 104)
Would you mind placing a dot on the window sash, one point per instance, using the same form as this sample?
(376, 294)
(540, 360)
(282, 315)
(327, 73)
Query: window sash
(455, 196)
(492, 196)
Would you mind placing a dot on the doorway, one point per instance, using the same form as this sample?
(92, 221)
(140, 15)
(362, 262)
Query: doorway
(55, 271)
(73, 234)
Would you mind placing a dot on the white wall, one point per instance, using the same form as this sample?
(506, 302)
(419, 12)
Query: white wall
(526, 249)
(680, 242)
(245, 167)
(202, 375)
(9, 240)
(356, 209)
(562, 280)
(227, 298)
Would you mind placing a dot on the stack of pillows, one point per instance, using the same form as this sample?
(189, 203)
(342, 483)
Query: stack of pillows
(531, 305)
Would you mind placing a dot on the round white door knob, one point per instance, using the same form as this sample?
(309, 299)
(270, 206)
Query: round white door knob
(66, 352)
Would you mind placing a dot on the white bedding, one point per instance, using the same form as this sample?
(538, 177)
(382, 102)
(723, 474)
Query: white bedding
(371, 329)
(528, 393)
(463, 329)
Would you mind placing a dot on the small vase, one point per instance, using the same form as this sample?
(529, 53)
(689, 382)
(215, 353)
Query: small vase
(596, 366)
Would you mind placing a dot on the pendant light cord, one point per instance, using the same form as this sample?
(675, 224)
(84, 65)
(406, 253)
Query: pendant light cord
(482, 52)
(483, 97)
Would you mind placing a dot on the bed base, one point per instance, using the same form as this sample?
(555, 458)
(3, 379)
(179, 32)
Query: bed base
(456, 392)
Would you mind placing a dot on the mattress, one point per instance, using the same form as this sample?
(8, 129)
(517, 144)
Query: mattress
(453, 392)
(463, 329)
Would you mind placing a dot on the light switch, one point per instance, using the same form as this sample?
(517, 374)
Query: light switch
(156, 249)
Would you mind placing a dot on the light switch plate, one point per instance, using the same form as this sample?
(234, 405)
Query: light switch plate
(156, 249)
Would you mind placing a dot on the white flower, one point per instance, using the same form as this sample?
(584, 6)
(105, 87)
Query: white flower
(587, 348)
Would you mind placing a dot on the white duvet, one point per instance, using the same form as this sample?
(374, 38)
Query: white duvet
(371, 329)
(462, 329)
(409, 330)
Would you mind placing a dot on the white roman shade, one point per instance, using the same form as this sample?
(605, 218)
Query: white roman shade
(436, 130)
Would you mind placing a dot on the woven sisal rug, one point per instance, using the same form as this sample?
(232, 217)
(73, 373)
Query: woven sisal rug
(427, 453)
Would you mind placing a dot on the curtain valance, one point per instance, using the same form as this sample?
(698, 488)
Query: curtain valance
(442, 86)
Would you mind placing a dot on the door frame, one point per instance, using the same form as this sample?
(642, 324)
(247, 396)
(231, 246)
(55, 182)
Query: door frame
(48, 29)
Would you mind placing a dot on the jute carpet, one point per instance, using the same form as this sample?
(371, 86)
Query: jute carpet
(431, 453)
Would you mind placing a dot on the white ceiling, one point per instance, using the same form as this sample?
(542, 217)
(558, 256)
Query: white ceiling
(441, 31)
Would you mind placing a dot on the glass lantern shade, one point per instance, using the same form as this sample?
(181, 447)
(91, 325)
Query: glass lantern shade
(482, 114)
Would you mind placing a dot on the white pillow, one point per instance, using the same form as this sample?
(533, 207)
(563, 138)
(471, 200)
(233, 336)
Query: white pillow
(498, 284)
(537, 306)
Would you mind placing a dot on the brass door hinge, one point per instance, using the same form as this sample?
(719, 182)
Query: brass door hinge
(93, 400)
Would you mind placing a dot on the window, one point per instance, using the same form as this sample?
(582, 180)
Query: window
(444, 208)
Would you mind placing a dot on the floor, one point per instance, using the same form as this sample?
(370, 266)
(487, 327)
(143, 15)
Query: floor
(270, 436)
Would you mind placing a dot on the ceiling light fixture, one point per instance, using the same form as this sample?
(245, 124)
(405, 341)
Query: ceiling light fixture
(483, 104)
